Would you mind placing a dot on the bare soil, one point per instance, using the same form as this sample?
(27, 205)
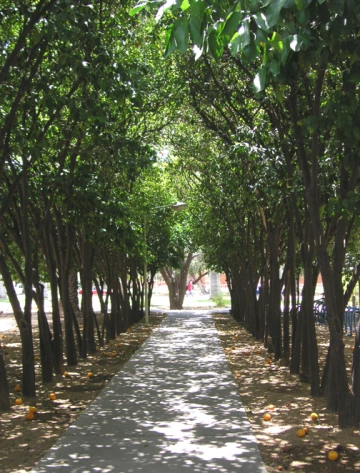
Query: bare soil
(267, 387)
(264, 386)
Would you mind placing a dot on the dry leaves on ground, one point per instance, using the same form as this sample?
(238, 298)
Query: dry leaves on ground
(268, 388)
(24, 442)
(264, 386)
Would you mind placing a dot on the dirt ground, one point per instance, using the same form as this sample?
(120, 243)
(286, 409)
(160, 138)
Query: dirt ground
(265, 387)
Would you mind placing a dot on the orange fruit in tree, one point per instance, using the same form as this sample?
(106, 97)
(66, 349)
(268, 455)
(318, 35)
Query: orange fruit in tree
(33, 409)
(267, 417)
(301, 433)
(314, 417)
(17, 388)
(30, 416)
(332, 455)
(52, 396)
(18, 401)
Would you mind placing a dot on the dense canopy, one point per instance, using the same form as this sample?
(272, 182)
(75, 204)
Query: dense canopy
(248, 111)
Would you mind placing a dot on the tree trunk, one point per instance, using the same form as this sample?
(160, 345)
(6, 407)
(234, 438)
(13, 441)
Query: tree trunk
(176, 283)
(355, 376)
(89, 345)
(4, 387)
(73, 293)
(46, 353)
(28, 367)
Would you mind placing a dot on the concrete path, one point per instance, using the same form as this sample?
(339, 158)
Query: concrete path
(174, 408)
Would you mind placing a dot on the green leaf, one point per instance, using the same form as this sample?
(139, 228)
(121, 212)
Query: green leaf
(196, 18)
(241, 39)
(337, 6)
(355, 78)
(275, 66)
(181, 34)
(296, 42)
(356, 132)
(170, 44)
(286, 50)
(273, 12)
(260, 80)
(185, 5)
(276, 41)
(232, 23)
(244, 33)
(250, 50)
(138, 8)
(164, 8)
(216, 45)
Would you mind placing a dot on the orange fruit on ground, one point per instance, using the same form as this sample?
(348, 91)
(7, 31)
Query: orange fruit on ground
(17, 388)
(90, 374)
(66, 374)
(314, 416)
(332, 455)
(33, 409)
(280, 468)
(18, 401)
(30, 416)
(52, 396)
(306, 430)
(267, 417)
(301, 433)
(270, 407)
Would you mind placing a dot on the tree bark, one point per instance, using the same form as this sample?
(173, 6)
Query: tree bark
(176, 283)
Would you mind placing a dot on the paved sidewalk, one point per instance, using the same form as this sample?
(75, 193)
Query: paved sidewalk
(174, 408)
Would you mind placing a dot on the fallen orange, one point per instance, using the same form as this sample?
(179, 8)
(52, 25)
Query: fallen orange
(332, 455)
(30, 416)
(301, 433)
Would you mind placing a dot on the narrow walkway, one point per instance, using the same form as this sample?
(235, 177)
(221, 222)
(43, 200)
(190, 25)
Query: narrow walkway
(174, 408)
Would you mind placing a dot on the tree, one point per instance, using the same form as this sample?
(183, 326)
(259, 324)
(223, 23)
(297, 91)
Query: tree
(305, 47)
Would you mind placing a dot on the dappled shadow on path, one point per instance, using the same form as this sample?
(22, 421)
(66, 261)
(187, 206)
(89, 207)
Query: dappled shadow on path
(173, 407)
